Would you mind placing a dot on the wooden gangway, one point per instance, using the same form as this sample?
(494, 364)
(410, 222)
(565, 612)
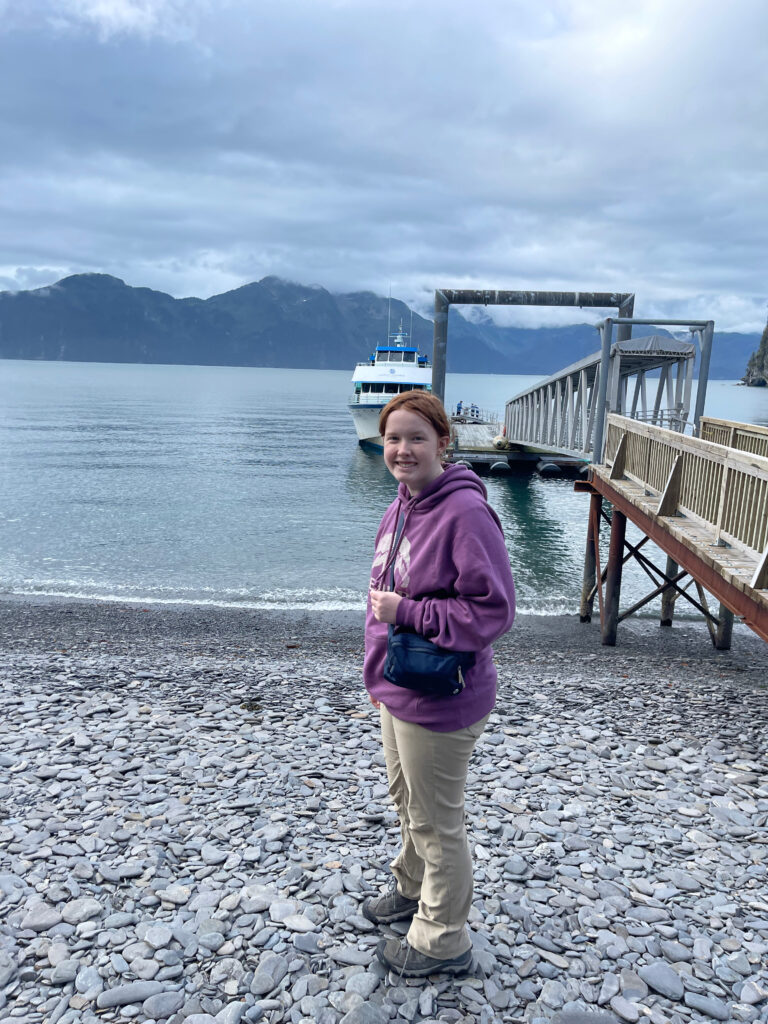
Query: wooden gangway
(704, 503)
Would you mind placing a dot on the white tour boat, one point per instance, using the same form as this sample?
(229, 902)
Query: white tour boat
(392, 368)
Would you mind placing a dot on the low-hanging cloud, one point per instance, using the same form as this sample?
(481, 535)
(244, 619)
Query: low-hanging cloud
(192, 147)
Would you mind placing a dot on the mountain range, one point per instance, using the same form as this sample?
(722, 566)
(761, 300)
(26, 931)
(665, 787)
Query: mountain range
(272, 322)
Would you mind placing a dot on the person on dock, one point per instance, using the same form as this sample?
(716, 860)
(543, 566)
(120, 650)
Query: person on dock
(440, 569)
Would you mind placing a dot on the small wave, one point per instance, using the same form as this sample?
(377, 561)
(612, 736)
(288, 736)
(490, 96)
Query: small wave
(305, 599)
(301, 600)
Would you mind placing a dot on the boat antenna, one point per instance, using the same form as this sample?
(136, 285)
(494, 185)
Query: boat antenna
(411, 334)
(389, 312)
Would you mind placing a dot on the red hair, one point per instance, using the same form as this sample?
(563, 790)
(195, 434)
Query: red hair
(424, 404)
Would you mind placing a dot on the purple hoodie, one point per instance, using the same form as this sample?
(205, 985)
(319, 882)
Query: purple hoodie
(453, 568)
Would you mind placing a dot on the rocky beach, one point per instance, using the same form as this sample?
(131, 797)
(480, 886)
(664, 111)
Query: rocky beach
(193, 807)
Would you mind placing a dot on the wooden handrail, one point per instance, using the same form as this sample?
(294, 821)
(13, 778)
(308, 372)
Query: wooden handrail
(747, 437)
(719, 486)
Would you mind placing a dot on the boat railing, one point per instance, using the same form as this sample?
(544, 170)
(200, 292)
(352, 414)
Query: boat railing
(473, 414)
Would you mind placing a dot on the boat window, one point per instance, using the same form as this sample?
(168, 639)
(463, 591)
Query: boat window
(395, 357)
(390, 389)
(409, 357)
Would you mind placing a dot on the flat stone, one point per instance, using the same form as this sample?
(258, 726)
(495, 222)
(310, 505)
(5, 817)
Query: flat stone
(131, 992)
(299, 923)
(159, 936)
(163, 1004)
(676, 952)
(711, 1007)
(751, 993)
(89, 980)
(684, 880)
(269, 973)
(231, 1013)
(624, 1009)
(213, 854)
(553, 994)
(65, 971)
(632, 985)
(176, 894)
(366, 1013)
(662, 979)
(40, 918)
(583, 1017)
(350, 955)
(364, 984)
(81, 910)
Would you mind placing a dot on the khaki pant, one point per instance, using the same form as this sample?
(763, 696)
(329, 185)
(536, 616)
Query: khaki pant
(427, 773)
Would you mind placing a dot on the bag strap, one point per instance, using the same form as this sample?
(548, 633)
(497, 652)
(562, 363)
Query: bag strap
(395, 547)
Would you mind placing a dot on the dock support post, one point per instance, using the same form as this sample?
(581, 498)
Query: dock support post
(668, 596)
(613, 578)
(588, 587)
(724, 630)
(705, 335)
(440, 345)
(606, 331)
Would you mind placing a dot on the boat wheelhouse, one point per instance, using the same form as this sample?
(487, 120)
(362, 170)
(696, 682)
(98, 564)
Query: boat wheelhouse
(391, 369)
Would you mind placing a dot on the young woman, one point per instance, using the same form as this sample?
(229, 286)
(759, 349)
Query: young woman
(452, 584)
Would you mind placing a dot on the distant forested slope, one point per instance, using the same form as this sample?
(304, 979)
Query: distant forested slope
(95, 317)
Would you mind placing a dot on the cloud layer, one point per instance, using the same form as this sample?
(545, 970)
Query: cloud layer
(578, 144)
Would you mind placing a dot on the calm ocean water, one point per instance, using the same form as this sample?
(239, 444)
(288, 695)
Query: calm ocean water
(228, 486)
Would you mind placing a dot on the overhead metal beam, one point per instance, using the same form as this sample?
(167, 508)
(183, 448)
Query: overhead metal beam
(624, 302)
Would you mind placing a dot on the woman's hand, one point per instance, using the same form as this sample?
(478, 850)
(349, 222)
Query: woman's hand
(384, 605)
(376, 703)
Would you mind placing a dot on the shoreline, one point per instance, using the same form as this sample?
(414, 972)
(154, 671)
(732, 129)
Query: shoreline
(78, 625)
(193, 805)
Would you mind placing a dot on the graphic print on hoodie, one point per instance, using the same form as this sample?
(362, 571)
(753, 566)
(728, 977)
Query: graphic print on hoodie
(402, 562)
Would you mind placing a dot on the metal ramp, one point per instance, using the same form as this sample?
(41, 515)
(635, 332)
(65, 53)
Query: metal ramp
(565, 414)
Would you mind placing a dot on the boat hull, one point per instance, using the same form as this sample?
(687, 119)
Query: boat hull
(366, 420)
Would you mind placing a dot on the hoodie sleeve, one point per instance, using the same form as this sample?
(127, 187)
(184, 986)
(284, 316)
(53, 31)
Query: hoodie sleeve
(484, 606)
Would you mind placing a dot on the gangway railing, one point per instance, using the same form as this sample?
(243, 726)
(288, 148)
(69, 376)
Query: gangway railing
(747, 437)
(560, 414)
(704, 504)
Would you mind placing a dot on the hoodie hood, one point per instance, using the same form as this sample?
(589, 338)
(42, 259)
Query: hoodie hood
(453, 478)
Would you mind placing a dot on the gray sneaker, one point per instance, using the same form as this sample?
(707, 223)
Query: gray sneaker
(408, 962)
(389, 907)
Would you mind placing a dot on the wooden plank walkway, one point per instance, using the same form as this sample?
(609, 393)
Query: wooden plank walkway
(703, 503)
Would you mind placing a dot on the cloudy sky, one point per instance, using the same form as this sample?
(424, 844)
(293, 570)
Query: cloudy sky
(195, 145)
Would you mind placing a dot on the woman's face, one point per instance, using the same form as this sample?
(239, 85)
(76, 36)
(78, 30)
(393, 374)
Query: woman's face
(413, 450)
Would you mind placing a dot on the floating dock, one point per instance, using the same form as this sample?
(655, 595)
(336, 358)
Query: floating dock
(482, 446)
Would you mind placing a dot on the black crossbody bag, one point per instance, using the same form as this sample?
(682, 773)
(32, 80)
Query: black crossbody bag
(415, 663)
